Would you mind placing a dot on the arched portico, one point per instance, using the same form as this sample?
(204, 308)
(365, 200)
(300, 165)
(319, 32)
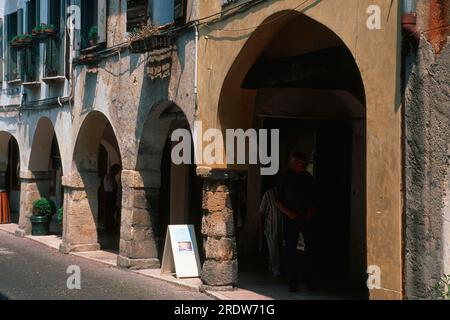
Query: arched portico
(43, 177)
(10, 172)
(157, 192)
(96, 151)
(240, 86)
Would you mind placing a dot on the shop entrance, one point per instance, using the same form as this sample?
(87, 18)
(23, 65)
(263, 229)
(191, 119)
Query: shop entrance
(9, 178)
(338, 264)
(299, 77)
(173, 192)
(109, 192)
(180, 198)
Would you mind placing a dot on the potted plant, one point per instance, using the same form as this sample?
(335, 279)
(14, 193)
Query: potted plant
(27, 39)
(49, 29)
(51, 73)
(90, 60)
(14, 75)
(43, 210)
(39, 29)
(15, 42)
(43, 31)
(93, 36)
(21, 41)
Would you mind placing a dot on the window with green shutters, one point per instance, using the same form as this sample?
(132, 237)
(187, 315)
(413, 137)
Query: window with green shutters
(1, 50)
(89, 20)
(137, 14)
(179, 12)
(12, 71)
(32, 53)
(54, 48)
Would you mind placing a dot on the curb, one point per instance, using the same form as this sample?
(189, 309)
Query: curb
(216, 295)
(190, 287)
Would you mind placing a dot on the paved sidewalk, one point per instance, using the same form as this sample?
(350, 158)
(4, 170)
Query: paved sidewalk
(32, 271)
(252, 285)
(110, 259)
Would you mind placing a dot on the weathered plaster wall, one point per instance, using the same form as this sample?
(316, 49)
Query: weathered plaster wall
(427, 171)
(125, 93)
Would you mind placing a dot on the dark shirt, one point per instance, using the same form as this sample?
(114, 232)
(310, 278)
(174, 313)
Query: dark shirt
(296, 191)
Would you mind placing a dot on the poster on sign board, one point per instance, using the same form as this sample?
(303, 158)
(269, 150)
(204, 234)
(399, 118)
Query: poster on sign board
(181, 252)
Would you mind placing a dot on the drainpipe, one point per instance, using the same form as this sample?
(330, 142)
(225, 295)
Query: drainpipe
(409, 21)
(196, 66)
(70, 36)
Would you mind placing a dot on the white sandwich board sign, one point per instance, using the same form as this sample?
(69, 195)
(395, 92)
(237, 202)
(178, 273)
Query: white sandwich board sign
(181, 252)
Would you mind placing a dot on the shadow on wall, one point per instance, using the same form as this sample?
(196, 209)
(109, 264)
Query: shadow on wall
(90, 89)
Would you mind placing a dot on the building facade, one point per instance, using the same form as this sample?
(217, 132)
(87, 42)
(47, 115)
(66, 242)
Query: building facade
(354, 84)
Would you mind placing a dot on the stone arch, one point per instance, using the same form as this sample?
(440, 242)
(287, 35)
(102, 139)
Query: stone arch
(5, 140)
(43, 178)
(266, 44)
(82, 185)
(142, 220)
(10, 172)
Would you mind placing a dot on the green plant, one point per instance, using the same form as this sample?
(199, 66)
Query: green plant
(441, 290)
(60, 215)
(93, 33)
(42, 28)
(39, 28)
(21, 40)
(44, 207)
(22, 37)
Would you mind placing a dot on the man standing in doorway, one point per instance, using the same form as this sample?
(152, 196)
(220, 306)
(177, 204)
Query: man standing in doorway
(296, 199)
(111, 188)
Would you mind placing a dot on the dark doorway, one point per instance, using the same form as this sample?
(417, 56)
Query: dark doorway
(192, 198)
(163, 219)
(328, 144)
(56, 192)
(109, 197)
(13, 180)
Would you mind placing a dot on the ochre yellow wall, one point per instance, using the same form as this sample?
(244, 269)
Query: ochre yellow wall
(376, 53)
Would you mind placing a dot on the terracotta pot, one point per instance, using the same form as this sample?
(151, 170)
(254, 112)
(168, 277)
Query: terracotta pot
(93, 42)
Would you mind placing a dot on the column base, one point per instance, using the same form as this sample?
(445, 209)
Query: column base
(67, 247)
(220, 273)
(137, 264)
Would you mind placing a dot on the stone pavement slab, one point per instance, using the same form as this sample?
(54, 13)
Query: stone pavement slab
(253, 287)
(101, 256)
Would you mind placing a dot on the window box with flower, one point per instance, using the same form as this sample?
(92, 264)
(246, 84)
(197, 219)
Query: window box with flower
(43, 31)
(22, 41)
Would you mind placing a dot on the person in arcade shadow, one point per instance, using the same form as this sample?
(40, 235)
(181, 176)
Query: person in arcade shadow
(111, 190)
(297, 200)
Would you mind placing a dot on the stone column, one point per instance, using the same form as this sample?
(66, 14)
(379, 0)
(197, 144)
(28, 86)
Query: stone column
(33, 186)
(138, 239)
(80, 212)
(220, 269)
